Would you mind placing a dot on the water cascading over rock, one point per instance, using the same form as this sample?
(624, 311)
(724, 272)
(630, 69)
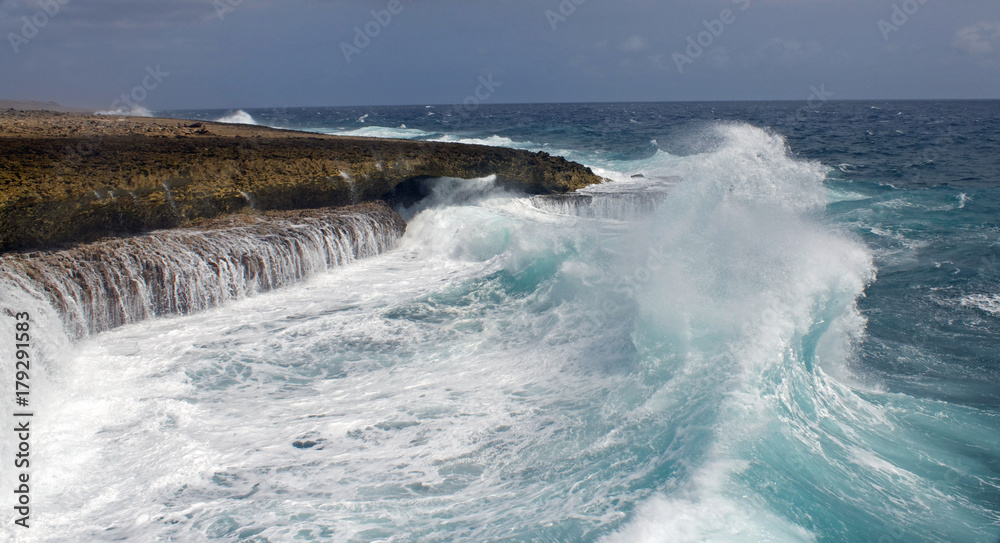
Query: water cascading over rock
(103, 285)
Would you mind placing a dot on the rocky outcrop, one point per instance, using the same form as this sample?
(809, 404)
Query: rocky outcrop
(68, 178)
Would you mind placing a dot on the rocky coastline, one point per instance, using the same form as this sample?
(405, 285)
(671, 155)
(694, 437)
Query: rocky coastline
(68, 178)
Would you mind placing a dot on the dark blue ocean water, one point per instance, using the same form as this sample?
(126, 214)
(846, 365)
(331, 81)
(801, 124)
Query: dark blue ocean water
(774, 322)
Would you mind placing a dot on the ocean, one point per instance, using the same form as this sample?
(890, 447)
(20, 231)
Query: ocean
(777, 322)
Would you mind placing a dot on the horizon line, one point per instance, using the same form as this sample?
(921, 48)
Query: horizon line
(614, 102)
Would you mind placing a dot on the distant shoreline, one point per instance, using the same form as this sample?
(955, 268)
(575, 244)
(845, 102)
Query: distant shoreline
(28, 105)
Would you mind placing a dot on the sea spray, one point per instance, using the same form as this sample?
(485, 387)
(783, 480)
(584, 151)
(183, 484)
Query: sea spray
(756, 307)
(237, 117)
(748, 268)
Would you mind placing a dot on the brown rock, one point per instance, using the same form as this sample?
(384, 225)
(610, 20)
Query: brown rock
(67, 178)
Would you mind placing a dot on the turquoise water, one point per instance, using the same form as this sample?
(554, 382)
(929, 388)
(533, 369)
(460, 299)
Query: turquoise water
(795, 342)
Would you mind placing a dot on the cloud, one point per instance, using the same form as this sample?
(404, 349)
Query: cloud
(978, 39)
(634, 44)
(789, 52)
(120, 13)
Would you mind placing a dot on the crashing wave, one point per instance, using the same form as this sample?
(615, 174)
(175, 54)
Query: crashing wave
(237, 117)
(134, 111)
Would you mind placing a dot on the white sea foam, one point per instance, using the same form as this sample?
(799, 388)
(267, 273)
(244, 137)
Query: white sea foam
(436, 431)
(237, 117)
(492, 141)
(134, 111)
(382, 132)
(989, 303)
(962, 200)
(704, 514)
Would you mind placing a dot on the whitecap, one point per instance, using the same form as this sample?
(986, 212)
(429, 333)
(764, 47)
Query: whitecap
(134, 111)
(989, 303)
(237, 117)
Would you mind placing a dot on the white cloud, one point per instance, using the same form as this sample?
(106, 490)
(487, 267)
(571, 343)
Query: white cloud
(978, 39)
(634, 44)
(126, 13)
(720, 57)
(788, 52)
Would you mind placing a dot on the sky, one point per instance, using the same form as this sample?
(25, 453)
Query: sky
(194, 54)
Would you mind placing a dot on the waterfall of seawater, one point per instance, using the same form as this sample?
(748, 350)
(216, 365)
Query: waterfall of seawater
(100, 286)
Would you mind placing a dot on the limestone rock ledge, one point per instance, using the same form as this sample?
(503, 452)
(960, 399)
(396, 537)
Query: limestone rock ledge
(70, 178)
